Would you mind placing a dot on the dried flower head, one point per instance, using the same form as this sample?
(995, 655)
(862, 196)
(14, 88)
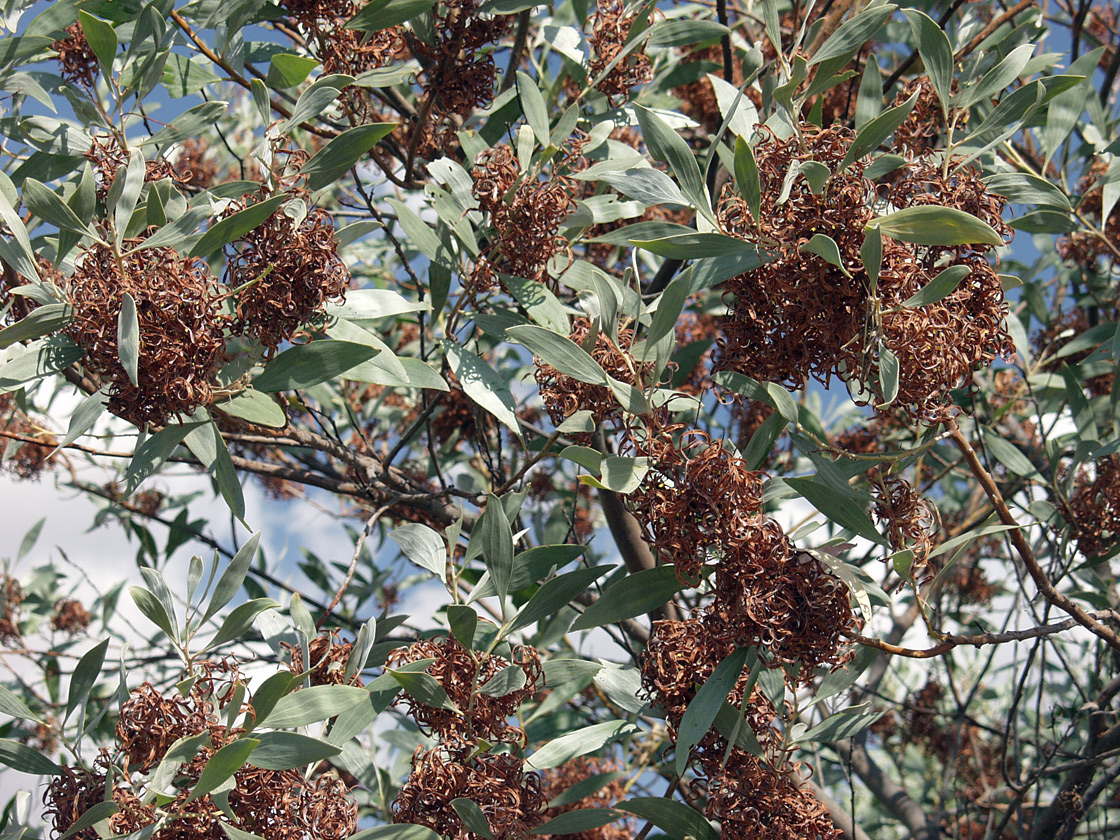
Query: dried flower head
(563, 395)
(610, 29)
(149, 724)
(1096, 507)
(464, 675)
(283, 272)
(921, 130)
(11, 598)
(70, 617)
(328, 660)
(76, 59)
(613, 789)
(912, 522)
(180, 329)
(791, 317)
(510, 799)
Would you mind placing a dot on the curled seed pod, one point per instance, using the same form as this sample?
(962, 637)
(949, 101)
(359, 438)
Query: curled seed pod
(11, 599)
(463, 674)
(24, 459)
(921, 130)
(70, 617)
(559, 779)
(790, 318)
(193, 165)
(1096, 507)
(1049, 341)
(911, 520)
(180, 329)
(328, 660)
(784, 600)
(107, 157)
(752, 800)
(563, 396)
(76, 59)
(510, 799)
(610, 29)
(282, 273)
(149, 724)
(19, 306)
(680, 656)
(70, 794)
(692, 505)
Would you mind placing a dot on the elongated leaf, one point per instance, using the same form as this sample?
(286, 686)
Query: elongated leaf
(533, 105)
(94, 814)
(128, 338)
(635, 594)
(853, 34)
(937, 55)
(286, 750)
(84, 416)
(648, 185)
(289, 71)
(936, 225)
(840, 509)
(473, 817)
(310, 364)
(12, 705)
(560, 352)
(497, 545)
(339, 155)
(102, 39)
(382, 14)
(825, 247)
(42, 320)
(44, 203)
(423, 546)
(701, 712)
(583, 789)
(888, 376)
(504, 682)
(580, 742)
(665, 144)
(178, 754)
(153, 609)
(402, 831)
(555, 594)
(206, 443)
(574, 822)
(154, 452)
(26, 760)
(1008, 454)
(940, 287)
(239, 621)
(463, 621)
(762, 441)
(316, 99)
(237, 225)
(1025, 188)
(482, 384)
(877, 130)
(423, 688)
(311, 705)
(694, 246)
(158, 587)
(222, 765)
(40, 358)
(254, 407)
(674, 818)
(842, 725)
(85, 675)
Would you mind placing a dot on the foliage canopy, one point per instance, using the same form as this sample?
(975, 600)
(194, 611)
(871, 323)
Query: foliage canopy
(733, 380)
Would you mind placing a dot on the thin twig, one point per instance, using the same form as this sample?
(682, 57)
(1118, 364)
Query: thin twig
(362, 537)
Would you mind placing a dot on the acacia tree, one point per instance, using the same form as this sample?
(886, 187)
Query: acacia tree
(699, 351)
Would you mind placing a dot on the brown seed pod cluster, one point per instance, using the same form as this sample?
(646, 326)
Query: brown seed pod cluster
(11, 599)
(462, 766)
(527, 223)
(283, 272)
(791, 318)
(510, 799)
(107, 157)
(559, 779)
(328, 658)
(690, 504)
(464, 674)
(750, 796)
(194, 166)
(181, 330)
(610, 28)
(76, 59)
(1096, 507)
(799, 316)
(24, 459)
(563, 396)
(912, 522)
(273, 804)
(15, 306)
(1063, 329)
(698, 98)
(71, 617)
(921, 130)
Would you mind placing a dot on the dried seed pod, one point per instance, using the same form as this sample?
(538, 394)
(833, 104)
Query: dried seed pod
(70, 617)
(11, 598)
(921, 130)
(559, 779)
(282, 273)
(610, 29)
(180, 329)
(328, 660)
(149, 724)
(463, 674)
(76, 60)
(510, 799)
(753, 802)
(911, 520)
(791, 318)
(563, 396)
(1096, 507)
